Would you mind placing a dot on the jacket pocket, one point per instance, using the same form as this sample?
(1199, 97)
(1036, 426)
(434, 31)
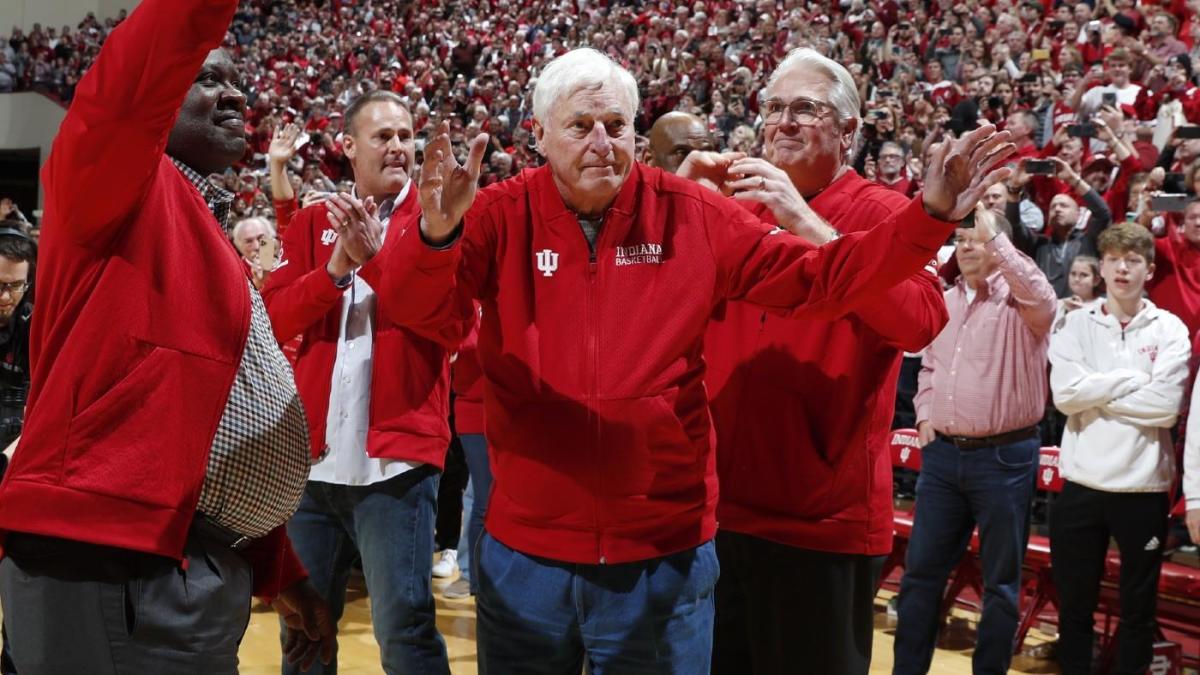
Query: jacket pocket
(149, 433)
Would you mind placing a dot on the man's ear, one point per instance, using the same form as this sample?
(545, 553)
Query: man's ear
(1150, 272)
(538, 132)
(348, 146)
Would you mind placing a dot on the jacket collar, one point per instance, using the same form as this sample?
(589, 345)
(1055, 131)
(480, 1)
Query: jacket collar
(1147, 314)
(617, 218)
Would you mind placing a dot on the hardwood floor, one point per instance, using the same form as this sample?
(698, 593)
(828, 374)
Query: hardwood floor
(359, 654)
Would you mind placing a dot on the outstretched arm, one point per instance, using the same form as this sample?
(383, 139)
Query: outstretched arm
(114, 135)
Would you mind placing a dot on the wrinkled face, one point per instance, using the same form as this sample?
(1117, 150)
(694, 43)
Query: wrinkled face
(973, 258)
(381, 148)
(589, 142)
(250, 239)
(1082, 280)
(14, 275)
(210, 132)
(1125, 274)
(813, 146)
(1063, 212)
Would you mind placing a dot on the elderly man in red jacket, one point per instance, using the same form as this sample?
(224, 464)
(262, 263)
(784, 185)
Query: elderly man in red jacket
(165, 444)
(597, 278)
(376, 393)
(802, 407)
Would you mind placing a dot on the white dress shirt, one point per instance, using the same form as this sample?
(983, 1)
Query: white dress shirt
(345, 461)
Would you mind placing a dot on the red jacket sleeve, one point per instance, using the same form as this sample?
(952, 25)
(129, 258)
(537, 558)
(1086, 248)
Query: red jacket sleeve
(274, 564)
(299, 292)
(114, 135)
(285, 210)
(432, 291)
(780, 273)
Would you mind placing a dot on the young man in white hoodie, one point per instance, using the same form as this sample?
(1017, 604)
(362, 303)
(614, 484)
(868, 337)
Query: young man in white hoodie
(1118, 371)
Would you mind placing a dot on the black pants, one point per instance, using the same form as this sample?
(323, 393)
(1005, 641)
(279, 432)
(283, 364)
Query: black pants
(782, 609)
(77, 608)
(1080, 527)
(453, 482)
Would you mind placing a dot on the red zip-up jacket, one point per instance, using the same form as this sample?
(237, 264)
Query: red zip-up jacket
(410, 377)
(803, 407)
(597, 417)
(143, 311)
(466, 378)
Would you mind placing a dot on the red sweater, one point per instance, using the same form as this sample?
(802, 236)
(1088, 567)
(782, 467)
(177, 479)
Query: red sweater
(1175, 286)
(143, 311)
(803, 407)
(597, 416)
(410, 377)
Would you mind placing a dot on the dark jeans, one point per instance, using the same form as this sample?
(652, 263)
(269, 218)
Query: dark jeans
(1080, 528)
(390, 525)
(476, 450)
(779, 606)
(957, 489)
(542, 616)
(78, 608)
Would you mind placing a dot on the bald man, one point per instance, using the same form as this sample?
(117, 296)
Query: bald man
(673, 137)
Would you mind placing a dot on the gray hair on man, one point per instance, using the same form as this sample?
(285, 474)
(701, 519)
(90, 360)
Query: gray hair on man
(843, 93)
(583, 68)
(252, 220)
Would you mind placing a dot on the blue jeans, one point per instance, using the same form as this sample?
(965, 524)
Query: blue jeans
(541, 616)
(990, 486)
(475, 502)
(390, 525)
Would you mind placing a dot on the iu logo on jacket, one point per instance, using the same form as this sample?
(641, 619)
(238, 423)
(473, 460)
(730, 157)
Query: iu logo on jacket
(547, 262)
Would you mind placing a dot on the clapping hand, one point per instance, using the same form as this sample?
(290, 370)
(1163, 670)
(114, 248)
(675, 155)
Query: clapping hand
(357, 225)
(961, 170)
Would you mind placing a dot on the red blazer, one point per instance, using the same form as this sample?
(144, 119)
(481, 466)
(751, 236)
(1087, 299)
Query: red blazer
(803, 407)
(143, 311)
(410, 377)
(597, 416)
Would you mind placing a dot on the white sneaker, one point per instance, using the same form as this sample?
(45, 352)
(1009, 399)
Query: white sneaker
(447, 565)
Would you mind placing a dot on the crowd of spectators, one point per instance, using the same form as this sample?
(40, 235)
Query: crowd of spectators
(922, 68)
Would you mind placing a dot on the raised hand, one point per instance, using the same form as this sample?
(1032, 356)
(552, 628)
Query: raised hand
(283, 144)
(961, 170)
(447, 188)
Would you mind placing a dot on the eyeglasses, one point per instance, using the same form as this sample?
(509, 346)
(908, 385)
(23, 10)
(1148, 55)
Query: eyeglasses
(802, 110)
(14, 287)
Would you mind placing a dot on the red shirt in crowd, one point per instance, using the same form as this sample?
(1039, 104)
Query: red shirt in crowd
(1175, 285)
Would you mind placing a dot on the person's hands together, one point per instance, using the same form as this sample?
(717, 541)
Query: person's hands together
(357, 225)
(710, 169)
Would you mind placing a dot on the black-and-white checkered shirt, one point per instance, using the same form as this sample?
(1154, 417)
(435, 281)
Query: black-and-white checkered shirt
(260, 456)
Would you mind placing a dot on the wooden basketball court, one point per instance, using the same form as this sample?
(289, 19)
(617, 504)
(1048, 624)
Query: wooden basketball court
(456, 619)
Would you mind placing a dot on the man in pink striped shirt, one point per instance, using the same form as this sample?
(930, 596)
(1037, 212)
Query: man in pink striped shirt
(981, 393)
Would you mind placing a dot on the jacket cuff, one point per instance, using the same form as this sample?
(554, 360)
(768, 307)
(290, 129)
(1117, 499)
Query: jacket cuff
(920, 229)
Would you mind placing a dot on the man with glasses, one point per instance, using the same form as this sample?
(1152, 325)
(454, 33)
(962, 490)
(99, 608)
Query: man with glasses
(981, 394)
(892, 171)
(802, 407)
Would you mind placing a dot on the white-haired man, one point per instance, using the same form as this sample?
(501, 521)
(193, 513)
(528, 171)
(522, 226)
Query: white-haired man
(805, 474)
(249, 237)
(597, 278)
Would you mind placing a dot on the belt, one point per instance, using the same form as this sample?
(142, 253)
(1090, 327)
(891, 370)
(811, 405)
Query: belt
(975, 443)
(208, 529)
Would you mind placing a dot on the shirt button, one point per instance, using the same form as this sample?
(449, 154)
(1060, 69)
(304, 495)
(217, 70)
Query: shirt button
(346, 380)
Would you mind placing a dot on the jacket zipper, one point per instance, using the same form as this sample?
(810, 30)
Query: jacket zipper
(593, 368)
